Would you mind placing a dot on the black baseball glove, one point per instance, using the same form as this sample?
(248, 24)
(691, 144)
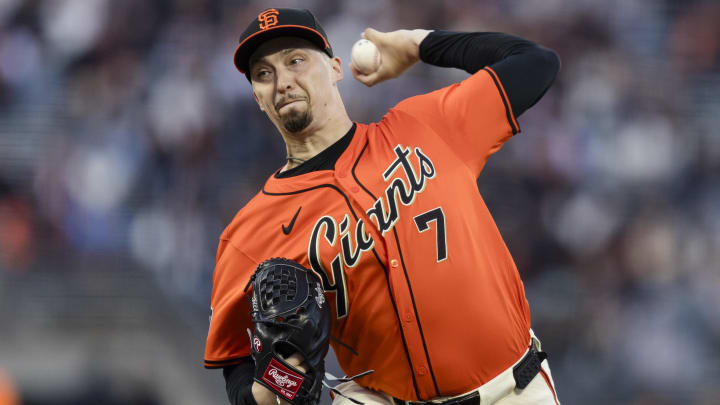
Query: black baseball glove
(290, 315)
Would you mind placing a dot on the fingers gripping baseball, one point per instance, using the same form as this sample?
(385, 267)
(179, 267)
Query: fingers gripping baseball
(398, 51)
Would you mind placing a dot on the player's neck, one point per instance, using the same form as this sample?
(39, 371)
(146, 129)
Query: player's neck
(303, 146)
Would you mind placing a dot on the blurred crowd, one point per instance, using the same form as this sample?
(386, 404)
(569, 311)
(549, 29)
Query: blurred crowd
(125, 131)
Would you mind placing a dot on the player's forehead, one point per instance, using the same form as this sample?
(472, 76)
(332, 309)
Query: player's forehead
(280, 46)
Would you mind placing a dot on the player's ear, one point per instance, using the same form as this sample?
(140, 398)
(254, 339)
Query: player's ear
(336, 69)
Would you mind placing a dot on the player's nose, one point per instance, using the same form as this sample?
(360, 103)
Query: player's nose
(285, 81)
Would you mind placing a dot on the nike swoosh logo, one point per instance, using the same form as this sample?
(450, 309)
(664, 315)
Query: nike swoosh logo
(288, 229)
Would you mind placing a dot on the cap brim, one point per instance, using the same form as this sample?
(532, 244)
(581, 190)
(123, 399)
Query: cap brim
(251, 43)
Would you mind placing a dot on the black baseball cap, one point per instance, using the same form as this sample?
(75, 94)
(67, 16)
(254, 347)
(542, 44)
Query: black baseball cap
(279, 22)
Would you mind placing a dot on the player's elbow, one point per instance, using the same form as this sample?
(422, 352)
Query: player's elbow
(549, 61)
(545, 64)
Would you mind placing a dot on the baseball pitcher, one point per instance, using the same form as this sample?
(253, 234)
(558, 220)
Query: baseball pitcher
(373, 238)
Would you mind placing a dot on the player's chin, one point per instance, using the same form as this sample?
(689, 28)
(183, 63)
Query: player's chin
(295, 120)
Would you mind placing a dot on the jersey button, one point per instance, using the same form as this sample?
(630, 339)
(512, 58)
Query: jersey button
(408, 317)
(422, 370)
(393, 263)
(342, 175)
(354, 189)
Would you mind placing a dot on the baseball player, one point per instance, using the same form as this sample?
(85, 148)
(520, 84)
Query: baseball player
(422, 289)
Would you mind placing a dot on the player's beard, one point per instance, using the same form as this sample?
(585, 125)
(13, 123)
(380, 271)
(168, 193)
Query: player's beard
(295, 121)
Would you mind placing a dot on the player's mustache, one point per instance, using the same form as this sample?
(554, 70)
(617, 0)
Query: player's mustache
(287, 99)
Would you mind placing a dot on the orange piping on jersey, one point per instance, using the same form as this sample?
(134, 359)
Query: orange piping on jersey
(513, 122)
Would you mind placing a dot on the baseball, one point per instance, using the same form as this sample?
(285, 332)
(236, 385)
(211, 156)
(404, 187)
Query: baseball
(365, 57)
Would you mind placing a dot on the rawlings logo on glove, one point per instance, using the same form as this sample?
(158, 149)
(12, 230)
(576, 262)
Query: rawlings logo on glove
(284, 380)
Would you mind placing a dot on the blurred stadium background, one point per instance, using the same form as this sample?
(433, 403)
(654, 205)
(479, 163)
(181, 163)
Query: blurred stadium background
(128, 141)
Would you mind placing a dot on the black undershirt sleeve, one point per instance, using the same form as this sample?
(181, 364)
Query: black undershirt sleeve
(526, 70)
(238, 382)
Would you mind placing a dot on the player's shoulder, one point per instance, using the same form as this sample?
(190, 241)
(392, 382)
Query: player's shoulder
(246, 216)
(421, 107)
(427, 103)
(405, 118)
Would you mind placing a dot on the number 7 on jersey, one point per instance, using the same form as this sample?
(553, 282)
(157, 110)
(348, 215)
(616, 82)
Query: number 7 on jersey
(423, 224)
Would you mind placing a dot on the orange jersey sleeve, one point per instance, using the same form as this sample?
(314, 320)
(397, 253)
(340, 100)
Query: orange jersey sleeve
(474, 116)
(227, 339)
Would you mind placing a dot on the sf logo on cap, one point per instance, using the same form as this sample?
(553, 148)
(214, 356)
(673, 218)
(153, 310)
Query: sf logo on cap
(268, 18)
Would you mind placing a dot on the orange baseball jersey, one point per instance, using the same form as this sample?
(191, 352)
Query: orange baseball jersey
(421, 284)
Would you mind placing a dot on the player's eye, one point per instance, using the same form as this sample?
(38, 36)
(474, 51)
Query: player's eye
(296, 60)
(261, 74)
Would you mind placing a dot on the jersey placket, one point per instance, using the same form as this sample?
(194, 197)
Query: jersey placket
(399, 283)
(408, 313)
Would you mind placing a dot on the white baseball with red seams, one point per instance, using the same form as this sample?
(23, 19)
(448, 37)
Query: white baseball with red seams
(365, 56)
